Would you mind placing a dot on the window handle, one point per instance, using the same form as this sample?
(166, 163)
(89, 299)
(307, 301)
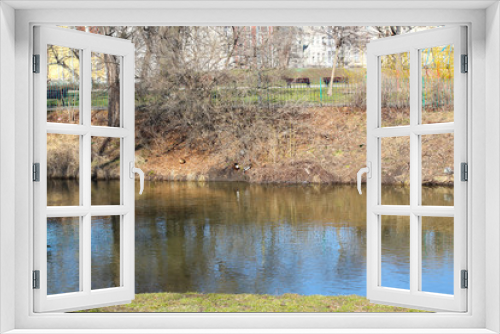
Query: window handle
(134, 170)
(368, 171)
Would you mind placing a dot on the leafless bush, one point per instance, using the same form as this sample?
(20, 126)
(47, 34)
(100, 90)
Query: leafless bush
(192, 95)
(62, 156)
(194, 100)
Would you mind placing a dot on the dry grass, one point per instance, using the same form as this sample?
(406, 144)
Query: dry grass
(322, 145)
(315, 145)
(63, 150)
(63, 156)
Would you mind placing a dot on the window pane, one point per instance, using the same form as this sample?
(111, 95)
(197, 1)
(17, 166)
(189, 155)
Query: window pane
(105, 252)
(439, 195)
(395, 89)
(63, 84)
(63, 163)
(105, 171)
(105, 89)
(437, 169)
(395, 170)
(395, 235)
(437, 254)
(437, 84)
(63, 255)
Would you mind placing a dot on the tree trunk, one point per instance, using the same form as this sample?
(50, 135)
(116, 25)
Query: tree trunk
(234, 46)
(113, 75)
(330, 87)
(147, 33)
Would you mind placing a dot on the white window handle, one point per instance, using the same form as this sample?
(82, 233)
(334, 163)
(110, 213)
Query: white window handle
(368, 171)
(134, 170)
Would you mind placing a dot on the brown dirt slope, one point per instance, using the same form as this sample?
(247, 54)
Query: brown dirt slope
(317, 145)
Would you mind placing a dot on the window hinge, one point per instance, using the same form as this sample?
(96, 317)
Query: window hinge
(36, 279)
(464, 171)
(465, 64)
(465, 279)
(36, 63)
(36, 172)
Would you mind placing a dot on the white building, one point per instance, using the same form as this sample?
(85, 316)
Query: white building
(318, 49)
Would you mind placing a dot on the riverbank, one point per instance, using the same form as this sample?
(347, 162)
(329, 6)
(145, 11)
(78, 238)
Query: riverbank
(219, 302)
(302, 145)
(323, 145)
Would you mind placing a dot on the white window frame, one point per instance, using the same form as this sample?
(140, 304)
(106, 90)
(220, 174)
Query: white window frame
(484, 211)
(125, 133)
(413, 44)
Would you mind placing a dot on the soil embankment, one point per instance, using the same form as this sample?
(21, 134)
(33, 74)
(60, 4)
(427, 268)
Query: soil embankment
(327, 146)
(317, 145)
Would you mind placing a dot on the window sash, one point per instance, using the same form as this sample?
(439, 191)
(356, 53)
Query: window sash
(413, 43)
(86, 297)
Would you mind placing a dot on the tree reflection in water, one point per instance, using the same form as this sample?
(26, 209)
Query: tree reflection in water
(249, 238)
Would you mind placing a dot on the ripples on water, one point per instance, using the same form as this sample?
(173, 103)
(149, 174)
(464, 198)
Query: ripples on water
(248, 238)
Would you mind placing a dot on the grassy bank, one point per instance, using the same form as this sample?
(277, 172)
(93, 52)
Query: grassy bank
(219, 302)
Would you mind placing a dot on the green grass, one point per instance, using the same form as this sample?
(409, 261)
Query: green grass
(276, 95)
(219, 302)
(73, 99)
(298, 93)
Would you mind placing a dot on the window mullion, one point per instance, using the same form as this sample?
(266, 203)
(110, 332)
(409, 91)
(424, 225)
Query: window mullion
(86, 159)
(86, 122)
(415, 193)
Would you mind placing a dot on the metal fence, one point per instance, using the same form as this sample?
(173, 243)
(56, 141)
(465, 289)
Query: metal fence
(436, 93)
(313, 94)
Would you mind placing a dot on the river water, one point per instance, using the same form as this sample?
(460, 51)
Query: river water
(231, 237)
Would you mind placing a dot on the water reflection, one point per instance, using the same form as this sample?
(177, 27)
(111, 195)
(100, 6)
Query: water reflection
(63, 255)
(273, 239)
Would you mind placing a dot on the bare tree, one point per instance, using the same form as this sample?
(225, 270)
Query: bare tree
(343, 37)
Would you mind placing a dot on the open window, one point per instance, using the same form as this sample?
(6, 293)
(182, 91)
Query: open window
(18, 255)
(405, 132)
(66, 116)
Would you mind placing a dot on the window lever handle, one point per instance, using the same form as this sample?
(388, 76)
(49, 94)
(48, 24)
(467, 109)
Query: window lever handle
(134, 170)
(368, 171)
